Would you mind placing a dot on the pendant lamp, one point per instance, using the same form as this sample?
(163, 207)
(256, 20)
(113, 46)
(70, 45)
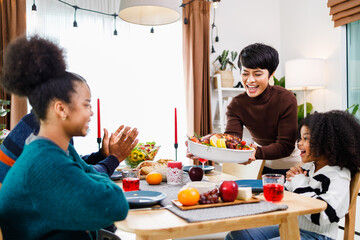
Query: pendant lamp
(150, 12)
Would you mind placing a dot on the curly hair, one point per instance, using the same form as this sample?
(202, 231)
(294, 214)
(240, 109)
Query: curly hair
(36, 68)
(335, 135)
(259, 55)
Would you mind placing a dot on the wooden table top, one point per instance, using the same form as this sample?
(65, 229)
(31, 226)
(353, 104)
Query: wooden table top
(163, 224)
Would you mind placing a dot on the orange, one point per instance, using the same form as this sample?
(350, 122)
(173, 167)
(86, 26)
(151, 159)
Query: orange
(188, 196)
(154, 178)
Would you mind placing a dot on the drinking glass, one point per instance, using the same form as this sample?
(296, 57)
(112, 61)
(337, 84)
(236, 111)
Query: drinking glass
(203, 161)
(131, 180)
(273, 185)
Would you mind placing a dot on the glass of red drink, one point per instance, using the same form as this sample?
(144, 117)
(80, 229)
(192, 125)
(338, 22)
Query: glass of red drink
(273, 185)
(203, 161)
(131, 180)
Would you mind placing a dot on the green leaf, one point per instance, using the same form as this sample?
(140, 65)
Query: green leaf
(233, 55)
(276, 81)
(5, 102)
(282, 82)
(224, 56)
(309, 108)
(223, 64)
(355, 109)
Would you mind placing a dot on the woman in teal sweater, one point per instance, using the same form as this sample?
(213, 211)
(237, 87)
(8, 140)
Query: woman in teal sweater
(50, 192)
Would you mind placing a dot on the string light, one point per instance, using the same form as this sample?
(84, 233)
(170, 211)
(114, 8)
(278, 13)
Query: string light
(75, 23)
(215, 3)
(214, 29)
(115, 32)
(89, 10)
(183, 6)
(33, 7)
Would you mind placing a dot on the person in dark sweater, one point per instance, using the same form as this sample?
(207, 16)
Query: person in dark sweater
(103, 161)
(268, 112)
(50, 192)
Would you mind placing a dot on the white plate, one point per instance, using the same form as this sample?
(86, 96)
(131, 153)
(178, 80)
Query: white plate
(222, 155)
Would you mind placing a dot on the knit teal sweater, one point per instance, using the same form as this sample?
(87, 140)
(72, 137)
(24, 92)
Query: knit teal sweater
(50, 193)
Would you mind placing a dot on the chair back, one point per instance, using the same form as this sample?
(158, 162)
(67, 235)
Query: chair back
(349, 229)
(250, 171)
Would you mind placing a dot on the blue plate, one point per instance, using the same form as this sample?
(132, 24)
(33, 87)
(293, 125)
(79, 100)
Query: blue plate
(255, 184)
(144, 198)
(116, 176)
(207, 168)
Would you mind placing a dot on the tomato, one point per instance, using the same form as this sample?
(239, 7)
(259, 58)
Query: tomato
(243, 143)
(194, 139)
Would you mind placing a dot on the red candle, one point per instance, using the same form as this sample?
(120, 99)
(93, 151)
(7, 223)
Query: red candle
(175, 127)
(98, 119)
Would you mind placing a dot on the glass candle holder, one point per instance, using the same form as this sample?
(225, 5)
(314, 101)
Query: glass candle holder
(174, 173)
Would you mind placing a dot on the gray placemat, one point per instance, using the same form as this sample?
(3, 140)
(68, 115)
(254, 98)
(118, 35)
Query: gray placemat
(205, 214)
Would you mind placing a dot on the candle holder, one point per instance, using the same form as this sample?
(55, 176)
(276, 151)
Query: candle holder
(99, 142)
(176, 147)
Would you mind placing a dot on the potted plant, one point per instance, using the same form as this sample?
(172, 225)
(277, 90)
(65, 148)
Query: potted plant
(224, 67)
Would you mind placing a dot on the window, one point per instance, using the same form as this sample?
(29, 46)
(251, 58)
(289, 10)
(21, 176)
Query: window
(138, 76)
(353, 64)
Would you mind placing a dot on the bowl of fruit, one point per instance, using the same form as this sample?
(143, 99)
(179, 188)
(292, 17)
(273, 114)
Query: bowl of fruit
(142, 152)
(220, 148)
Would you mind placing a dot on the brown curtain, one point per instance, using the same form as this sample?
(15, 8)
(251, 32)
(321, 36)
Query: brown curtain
(196, 54)
(13, 24)
(344, 11)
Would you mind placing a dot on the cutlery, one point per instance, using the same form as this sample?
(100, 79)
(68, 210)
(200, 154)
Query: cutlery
(152, 208)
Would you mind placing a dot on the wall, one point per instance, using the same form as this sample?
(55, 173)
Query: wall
(296, 29)
(307, 32)
(241, 23)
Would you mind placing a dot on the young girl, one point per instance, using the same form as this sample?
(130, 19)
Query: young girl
(50, 192)
(329, 144)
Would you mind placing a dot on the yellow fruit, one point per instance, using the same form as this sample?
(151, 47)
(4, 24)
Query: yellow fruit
(221, 143)
(213, 141)
(154, 178)
(188, 196)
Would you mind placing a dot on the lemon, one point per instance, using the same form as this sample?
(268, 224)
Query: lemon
(221, 143)
(213, 141)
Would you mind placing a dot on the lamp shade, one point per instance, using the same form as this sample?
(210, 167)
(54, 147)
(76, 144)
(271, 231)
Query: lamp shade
(150, 12)
(305, 74)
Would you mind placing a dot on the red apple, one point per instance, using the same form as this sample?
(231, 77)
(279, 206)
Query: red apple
(228, 191)
(196, 174)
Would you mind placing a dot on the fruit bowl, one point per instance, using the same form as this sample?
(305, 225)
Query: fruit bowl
(141, 153)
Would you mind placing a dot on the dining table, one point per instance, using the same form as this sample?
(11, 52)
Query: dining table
(164, 224)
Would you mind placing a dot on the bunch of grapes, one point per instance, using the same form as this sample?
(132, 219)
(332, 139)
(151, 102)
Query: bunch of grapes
(209, 197)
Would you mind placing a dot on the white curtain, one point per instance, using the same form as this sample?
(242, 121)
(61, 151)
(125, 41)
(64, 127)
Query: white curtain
(136, 75)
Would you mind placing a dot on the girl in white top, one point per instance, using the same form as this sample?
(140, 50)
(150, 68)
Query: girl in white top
(329, 150)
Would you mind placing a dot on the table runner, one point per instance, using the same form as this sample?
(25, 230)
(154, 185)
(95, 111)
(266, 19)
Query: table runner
(206, 214)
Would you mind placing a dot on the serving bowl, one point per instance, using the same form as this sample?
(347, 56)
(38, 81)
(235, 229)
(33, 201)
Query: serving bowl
(141, 153)
(223, 155)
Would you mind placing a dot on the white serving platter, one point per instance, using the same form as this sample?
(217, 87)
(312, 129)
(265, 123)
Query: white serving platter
(222, 155)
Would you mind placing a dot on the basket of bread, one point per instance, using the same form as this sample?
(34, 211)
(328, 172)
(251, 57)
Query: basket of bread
(158, 166)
